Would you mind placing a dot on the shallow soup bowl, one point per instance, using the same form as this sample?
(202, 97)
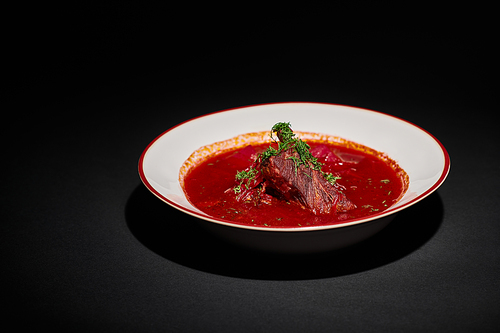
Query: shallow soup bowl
(423, 158)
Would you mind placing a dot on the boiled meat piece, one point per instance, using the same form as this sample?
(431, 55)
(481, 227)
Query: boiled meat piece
(303, 184)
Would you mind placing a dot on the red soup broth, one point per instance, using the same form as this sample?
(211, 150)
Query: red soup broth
(370, 180)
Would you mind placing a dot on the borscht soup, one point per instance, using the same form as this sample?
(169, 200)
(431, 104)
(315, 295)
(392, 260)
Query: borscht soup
(288, 179)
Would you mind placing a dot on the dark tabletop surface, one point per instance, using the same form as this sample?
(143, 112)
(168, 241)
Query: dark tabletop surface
(85, 247)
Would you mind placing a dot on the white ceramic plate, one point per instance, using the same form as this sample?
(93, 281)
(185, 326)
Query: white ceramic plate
(420, 154)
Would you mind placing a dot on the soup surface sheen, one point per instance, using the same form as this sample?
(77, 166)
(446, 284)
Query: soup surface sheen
(371, 182)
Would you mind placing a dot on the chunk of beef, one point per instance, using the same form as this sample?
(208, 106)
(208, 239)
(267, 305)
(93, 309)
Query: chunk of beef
(303, 184)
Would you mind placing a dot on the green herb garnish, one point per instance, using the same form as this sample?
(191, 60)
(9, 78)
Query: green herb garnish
(286, 139)
(244, 175)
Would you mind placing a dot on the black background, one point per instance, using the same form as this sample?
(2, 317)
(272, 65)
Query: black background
(85, 247)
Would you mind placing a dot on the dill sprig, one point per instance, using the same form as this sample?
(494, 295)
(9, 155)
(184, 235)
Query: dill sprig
(286, 139)
(243, 176)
